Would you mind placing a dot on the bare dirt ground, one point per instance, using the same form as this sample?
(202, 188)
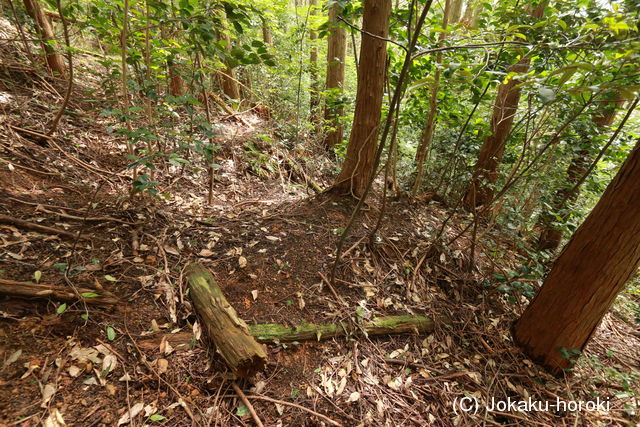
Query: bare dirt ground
(270, 243)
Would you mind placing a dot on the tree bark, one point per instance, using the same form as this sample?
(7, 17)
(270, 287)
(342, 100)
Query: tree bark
(228, 81)
(485, 175)
(359, 160)
(551, 235)
(55, 61)
(272, 332)
(230, 334)
(177, 85)
(43, 290)
(427, 134)
(269, 333)
(336, 51)
(266, 32)
(314, 102)
(590, 272)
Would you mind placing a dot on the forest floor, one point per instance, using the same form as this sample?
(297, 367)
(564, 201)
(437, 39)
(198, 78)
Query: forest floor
(270, 244)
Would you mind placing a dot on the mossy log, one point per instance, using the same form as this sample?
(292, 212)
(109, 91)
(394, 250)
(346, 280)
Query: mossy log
(230, 334)
(269, 333)
(272, 332)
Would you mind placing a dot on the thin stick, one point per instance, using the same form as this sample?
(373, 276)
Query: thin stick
(248, 404)
(6, 219)
(295, 405)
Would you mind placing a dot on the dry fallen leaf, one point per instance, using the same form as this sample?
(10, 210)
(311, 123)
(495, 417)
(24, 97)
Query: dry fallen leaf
(353, 397)
(163, 365)
(242, 262)
(11, 359)
(109, 364)
(254, 294)
(74, 371)
(54, 419)
(129, 415)
(47, 393)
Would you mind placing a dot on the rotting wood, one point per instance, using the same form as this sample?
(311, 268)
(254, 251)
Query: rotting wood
(230, 334)
(269, 333)
(5, 219)
(301, 174)
(43, 290)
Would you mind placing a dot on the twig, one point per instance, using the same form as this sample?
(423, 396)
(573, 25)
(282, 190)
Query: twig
(6, 219)
(295, 405)
(333, 291)
(28, 168)
(248, 404)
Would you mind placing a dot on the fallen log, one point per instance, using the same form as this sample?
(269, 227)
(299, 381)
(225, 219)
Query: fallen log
(301, 174)
(230, 334)
(269, 333)
(5, 219)
(42, 290)
(386, 325)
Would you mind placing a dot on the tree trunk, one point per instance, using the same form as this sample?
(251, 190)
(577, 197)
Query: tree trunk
(485, 175)
(314, 102)
(336, 51)
(550, 235)
(456, 11)
(590, 272)
(225, 329)
(359, 160)
(177, 85)
(427, 134)
(266, 32)
(55, 61)
(228, 80)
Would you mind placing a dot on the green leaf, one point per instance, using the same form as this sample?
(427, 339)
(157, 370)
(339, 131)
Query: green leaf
(242, 410)
(37, 275)
(110, 278)
(61, 308)
(62, 266)
(156, 417)
(111, 333)
(89, 294)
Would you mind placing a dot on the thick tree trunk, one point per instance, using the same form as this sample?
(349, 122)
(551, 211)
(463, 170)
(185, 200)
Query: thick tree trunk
(427, 134)
(314, 102)
(551, 235)
(485, 175)
(228, 80)
(227, 331)
(336, 51)
(590, 272)
(55, 61)
(359, 160)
